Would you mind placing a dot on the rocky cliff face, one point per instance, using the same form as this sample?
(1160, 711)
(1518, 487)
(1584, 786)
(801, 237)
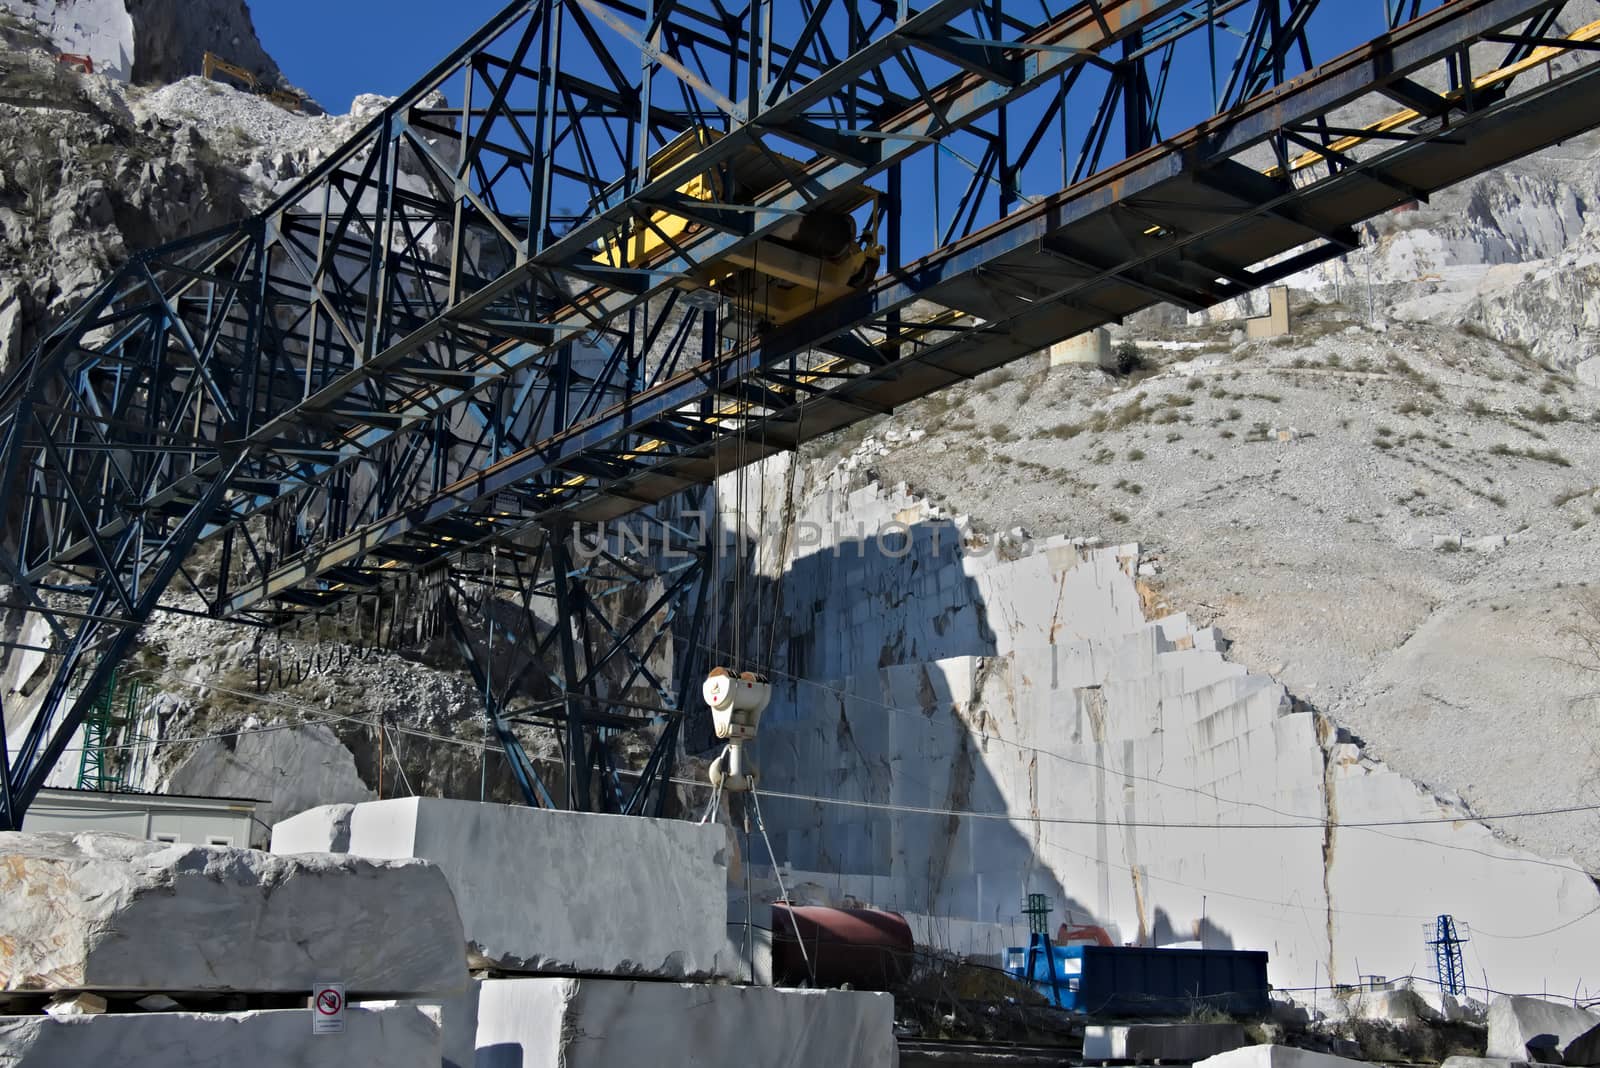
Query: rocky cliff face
(92, 169)
(1395, 521)
(171, 40)
(1513, 251)
(151, 42)
(85, 179)
(964, 718)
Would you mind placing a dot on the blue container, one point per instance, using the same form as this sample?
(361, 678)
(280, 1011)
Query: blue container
(1130, 981)
(1061, 989)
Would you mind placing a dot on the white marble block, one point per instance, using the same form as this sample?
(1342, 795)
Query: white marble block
(110, 912)
(541, 890)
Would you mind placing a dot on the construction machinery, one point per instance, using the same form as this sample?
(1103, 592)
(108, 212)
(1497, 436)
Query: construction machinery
(809, 260)
(78, 62)
(213, 65)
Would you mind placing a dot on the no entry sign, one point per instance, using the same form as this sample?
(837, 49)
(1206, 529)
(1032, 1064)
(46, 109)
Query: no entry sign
(327, 1009)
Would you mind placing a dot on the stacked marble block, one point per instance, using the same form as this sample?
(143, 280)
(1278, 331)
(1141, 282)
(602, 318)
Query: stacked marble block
(1059, 671)
(598, 1023)
(1160, 1043)
(112, 936)
(614, 905)
(1541, 1031)
(549, 891)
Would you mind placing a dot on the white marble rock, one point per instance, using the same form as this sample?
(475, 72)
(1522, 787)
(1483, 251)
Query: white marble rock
(1164, 1043)
(1275, 1057)
(1520, 1025)
(1048, 689)
(598, 1023)
(1589, 372)
(542, 890)
(458, 1021)
(108, 912)
(1585, 1049)
(400, 1037)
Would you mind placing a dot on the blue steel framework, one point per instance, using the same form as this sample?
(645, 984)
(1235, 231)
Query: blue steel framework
(1446, 942)
(433, 345)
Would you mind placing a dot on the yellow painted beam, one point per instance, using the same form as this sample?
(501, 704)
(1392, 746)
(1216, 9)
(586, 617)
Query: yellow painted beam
(1538, 56)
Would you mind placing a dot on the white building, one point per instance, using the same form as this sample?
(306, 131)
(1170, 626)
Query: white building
(158, 817)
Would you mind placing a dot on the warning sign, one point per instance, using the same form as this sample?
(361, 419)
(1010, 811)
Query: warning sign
(327, 1009)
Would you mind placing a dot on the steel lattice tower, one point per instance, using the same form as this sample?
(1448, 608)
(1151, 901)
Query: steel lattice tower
(1446, 943)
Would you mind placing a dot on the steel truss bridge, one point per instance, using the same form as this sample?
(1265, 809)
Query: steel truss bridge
(609, 249)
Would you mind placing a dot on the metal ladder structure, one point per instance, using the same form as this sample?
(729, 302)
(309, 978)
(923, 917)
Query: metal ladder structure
(116, 708)
(608, 250)
(1446, 939)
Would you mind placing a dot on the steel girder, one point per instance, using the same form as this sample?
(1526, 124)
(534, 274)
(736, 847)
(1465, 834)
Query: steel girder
(423, 347)
(592, 633)
(387, 328)
(1190, 224)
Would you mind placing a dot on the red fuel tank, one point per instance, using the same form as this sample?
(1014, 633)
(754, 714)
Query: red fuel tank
(870, 949)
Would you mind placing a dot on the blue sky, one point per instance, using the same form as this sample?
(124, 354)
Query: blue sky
(335, 49)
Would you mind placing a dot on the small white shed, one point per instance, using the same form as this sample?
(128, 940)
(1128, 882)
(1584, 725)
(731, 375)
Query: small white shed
(158, 817)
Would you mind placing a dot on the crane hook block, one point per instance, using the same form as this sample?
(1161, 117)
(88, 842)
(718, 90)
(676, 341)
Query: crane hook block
(737, 702)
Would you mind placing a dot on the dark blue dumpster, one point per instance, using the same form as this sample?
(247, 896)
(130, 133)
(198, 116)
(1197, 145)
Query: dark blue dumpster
(1131, 981)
